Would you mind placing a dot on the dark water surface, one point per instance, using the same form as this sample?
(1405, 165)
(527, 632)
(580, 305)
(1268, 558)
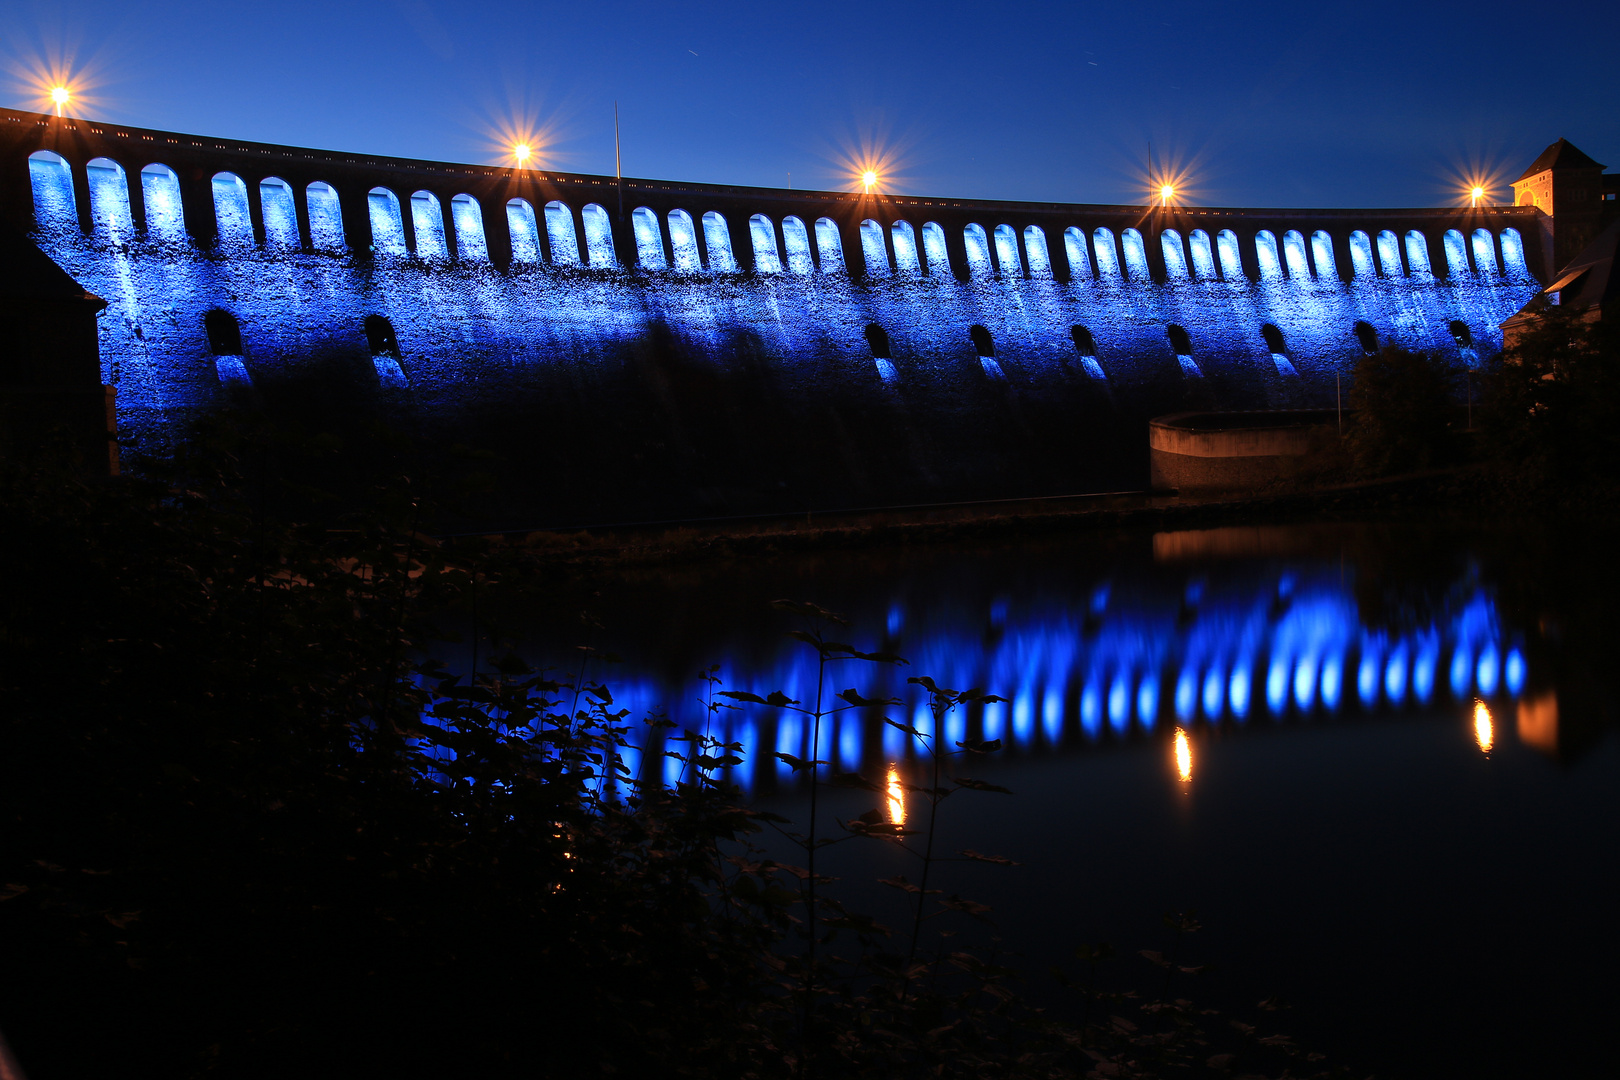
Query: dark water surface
(1402, 813)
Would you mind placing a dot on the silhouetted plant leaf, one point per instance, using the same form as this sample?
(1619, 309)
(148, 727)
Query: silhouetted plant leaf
(979, 785)
(979, 746)
(854, 697)
(743, 695)
(999, 860)
(808, 610)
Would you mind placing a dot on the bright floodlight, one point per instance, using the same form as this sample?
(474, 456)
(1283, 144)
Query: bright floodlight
(1477, 194)
(60, 95)
(1167, 192)
(521, 151)
(869, 178)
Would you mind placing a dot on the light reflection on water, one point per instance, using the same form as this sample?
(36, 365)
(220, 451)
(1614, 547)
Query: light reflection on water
(1236, 644)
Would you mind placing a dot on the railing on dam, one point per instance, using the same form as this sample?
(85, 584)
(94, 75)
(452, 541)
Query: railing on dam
(129, 185)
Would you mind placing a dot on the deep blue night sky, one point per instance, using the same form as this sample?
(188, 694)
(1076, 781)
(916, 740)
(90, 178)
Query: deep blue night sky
(1377, 103)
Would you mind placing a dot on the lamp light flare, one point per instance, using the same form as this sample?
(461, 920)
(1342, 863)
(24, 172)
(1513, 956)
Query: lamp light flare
(60, 96)
(1183, 756)
(1476, 193)
(869, 177)
(522, 151)
(896, 797)
(1166, 193)
(1484, 728)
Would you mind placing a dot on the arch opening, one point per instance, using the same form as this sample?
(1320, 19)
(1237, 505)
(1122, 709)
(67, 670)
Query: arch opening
(1417, 254)
(717, 238)
(877, 339)
(109, 199)
(599, 250)
(1361, 255)
(683, 242)
(1513, 255)
(231, 212)
(1485, 253)
(387, 228)
(1389, 255)
(1203, 256)
(1074, 245)
(904, 238)
(1007, 252)
(1465, 342)
(649, 238)
(1278, 345)
(1265, 251)
(978, 251)
(1175, 255)
(873, 251)
(52, 181)
(1040, 259)
(985, 347)
(165, 215)
(280, 214)
(385, 354)
(427, 218)
(763, 234)
(223, 332)
(830, 246)
(561, 235)
(796, 242)
(1136, 264)
(1107, 255)
(325, 217)
(1226, 242)
(939, 259)
(467, 218)
(1456, 253)
(1327, 268)
(1299, 267)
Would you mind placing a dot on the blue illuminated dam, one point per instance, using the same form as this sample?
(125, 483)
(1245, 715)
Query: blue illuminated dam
(656, 348)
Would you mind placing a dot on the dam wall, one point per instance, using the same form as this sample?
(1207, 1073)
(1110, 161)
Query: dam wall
(635, 349)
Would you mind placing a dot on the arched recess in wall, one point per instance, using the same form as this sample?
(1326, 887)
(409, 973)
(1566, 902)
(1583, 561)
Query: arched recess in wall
(1086, 345)
(985, 347)
(1367, 337)
(978, 251)
(1361, 255)
(599, 250)
(525, 232)
(1134, 249)
(1513, 255)
(683, 242)
(1107, 255)
(1417, 254)
(231, 212)
(1277, 345)
(649, 238)
(1203, 256)
(1007, 252)
(427, 217)
(165, 215)
(1074, 246)
(717, 238)
(796, 246)
(1485, 253)
(1465, 342)
(1299, 267)
(830, 247)
(1175, 256)
(877, 339)
(224, 336)
(467, 218)
(387, 228)
(564, 241)
(1040, 259)
(1181, 345)
(1456, 253)
(763, 234)
(875, 255)
(939, 258)
(1265, 253)
(280, 214)
(52, 181)
(109, 200)
(904, 238)
(1327, 268)
(1389, 255)
(1226, 242)
(385, 354)
(325, 217)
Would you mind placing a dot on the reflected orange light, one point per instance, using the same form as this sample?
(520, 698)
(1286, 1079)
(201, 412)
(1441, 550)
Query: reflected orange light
(896, 798)
(1484, 729)
(1183, 756)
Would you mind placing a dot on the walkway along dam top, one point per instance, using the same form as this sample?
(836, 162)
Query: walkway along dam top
(646, 348)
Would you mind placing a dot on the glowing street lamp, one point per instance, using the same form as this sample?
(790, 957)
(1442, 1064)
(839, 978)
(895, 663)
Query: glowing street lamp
(1166, 193)
(869, 177)
(522, 151)
(60, 96)
(1476, 193)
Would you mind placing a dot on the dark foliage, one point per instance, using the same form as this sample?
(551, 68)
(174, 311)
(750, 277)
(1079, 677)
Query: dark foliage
(1403, 404)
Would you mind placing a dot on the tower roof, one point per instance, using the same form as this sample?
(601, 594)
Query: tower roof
(1562, 154)
(27, 273)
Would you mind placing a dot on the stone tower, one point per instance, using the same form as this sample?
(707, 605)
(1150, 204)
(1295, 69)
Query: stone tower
(1570, 189)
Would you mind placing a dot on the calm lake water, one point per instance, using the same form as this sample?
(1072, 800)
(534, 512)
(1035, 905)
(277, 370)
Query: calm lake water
(1398, 806)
